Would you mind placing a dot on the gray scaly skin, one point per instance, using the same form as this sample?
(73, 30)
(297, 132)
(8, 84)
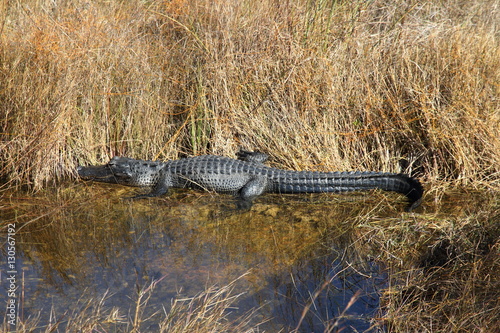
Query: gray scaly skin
(246, 177)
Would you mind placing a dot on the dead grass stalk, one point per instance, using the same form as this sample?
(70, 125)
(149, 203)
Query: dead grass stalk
(378, 85)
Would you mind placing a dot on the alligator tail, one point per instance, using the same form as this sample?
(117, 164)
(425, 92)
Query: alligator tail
(320, 182)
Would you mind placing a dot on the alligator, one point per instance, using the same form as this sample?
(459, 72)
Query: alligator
(246, 177)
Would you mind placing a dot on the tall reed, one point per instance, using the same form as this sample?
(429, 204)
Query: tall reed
(387, 85)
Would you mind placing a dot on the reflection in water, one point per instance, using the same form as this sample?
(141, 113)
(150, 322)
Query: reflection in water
(306, 264)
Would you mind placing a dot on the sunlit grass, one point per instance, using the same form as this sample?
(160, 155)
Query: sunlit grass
(318, 85)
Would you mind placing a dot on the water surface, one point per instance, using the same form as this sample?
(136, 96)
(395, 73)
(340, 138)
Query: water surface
(82, 242)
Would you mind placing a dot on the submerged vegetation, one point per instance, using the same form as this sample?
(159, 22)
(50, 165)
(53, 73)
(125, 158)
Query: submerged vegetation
(400, 86)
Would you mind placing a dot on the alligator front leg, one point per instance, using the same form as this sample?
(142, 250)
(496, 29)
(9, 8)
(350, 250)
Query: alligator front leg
(161, 187)
(156, 191)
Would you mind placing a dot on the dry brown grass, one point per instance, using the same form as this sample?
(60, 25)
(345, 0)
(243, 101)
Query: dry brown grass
(442, 268)
(318, 85)
(208, 311)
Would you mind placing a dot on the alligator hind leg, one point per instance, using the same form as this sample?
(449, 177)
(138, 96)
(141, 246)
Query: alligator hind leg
(252, 156)
(252, 189)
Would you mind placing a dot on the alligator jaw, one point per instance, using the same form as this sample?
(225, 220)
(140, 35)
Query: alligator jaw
(100, 173)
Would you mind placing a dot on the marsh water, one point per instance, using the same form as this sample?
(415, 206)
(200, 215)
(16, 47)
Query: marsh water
(297, 259)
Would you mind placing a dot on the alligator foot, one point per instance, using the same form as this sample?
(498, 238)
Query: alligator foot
(252, 156)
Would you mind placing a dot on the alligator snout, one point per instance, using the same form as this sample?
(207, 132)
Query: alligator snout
(100, 173)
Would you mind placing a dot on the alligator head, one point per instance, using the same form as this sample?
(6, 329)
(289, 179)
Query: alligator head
(124, 171)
